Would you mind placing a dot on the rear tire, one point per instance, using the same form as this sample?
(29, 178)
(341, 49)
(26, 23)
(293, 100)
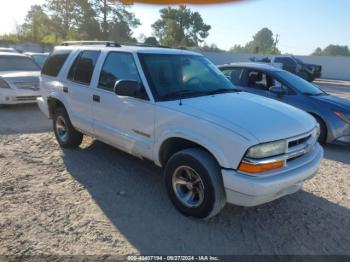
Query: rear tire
(65, 133)
(202, 199)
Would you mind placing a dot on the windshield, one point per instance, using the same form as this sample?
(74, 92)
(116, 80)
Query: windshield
(17, 63)
(39, 59)
(181, 76)
(300, 84)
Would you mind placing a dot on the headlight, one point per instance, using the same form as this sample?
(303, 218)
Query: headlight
(343, 117)
(3, 83)
(268, 149)
(316, 132)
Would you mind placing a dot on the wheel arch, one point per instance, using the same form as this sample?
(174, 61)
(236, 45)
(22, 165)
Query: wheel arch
(174, 144)
(315, 115)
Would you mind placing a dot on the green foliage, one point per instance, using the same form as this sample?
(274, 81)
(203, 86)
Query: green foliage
(180, 27)
(332, 50)
(151, 40)
(263, 43)
(211, 48)
(59, 20)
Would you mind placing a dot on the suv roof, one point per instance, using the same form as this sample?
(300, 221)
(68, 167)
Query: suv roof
(108, 46)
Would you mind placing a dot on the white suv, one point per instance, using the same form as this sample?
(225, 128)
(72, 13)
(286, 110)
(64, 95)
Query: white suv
(176, 108)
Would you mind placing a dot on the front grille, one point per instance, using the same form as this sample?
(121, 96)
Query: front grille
(27, 85)
(26, 98)
(298, 141)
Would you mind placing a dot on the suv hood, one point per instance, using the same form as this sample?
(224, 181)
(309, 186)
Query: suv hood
(248, 115)
(16, 74)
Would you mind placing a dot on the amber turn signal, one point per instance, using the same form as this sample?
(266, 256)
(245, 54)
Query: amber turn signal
(254, 169)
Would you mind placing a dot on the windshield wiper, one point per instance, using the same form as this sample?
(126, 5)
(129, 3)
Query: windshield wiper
(221, 91)
(181, 93)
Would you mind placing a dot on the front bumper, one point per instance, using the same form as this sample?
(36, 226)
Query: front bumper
(43, 106)
(12, 97)
(247, 190)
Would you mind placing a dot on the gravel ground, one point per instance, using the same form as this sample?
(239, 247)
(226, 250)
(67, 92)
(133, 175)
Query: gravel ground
(97, 200)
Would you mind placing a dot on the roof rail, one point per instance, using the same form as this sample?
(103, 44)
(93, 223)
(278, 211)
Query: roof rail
(145, 45)
(105, 43)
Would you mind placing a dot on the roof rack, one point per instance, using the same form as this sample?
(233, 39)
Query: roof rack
(105, 43)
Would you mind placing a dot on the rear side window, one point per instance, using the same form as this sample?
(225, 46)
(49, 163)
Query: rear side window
(118, 66)
(83, 67)
(55, 62)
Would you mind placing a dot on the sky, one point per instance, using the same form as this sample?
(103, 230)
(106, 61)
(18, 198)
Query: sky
(302, 25)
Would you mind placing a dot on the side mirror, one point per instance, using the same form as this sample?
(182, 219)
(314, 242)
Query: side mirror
(278, 90)
(127, 88)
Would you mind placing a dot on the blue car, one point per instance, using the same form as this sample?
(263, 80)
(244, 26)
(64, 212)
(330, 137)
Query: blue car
(331, 112)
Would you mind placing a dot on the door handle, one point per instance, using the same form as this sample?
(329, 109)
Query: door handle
(96, 98)
(65, 89)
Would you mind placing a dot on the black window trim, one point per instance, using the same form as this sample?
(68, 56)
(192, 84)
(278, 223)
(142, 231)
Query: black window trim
(76, 59)
(146, 98)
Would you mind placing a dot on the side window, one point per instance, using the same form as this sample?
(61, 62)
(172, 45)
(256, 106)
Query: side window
(83, 67)
(279, 60)
(234, 74)
(55, 62)
(287, 90)
(258, 80)
(289, 62)
(117, 66)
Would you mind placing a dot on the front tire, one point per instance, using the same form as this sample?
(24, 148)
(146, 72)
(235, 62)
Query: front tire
(194, 183)
(322, 139)
(65, 133)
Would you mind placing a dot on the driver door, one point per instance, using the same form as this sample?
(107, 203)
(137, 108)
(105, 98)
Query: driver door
(125, 122)
(256, 82)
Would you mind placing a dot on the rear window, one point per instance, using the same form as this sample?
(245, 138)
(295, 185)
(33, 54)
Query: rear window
(55, 62)
(17, 63)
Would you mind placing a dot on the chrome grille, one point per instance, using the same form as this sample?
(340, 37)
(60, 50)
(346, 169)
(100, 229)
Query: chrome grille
(28, 85)
(26, 98)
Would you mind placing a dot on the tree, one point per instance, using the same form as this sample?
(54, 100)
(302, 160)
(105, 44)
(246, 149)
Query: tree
(64, 15)
(211, 48)
(317, 52)
(263, 42)
(180, 27)
(115, 20)
(35, 26)
(151, 40)
(332, 50)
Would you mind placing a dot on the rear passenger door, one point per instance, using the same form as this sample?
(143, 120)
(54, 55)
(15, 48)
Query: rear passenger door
(77, 87)
(125, 122)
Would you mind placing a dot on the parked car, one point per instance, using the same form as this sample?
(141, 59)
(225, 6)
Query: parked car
(294, 65)
(38, 58)
(7, 50)
(176, 108)
(331, 112)
(19, 79)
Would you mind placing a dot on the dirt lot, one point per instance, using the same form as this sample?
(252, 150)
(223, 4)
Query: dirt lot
(98, 200)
